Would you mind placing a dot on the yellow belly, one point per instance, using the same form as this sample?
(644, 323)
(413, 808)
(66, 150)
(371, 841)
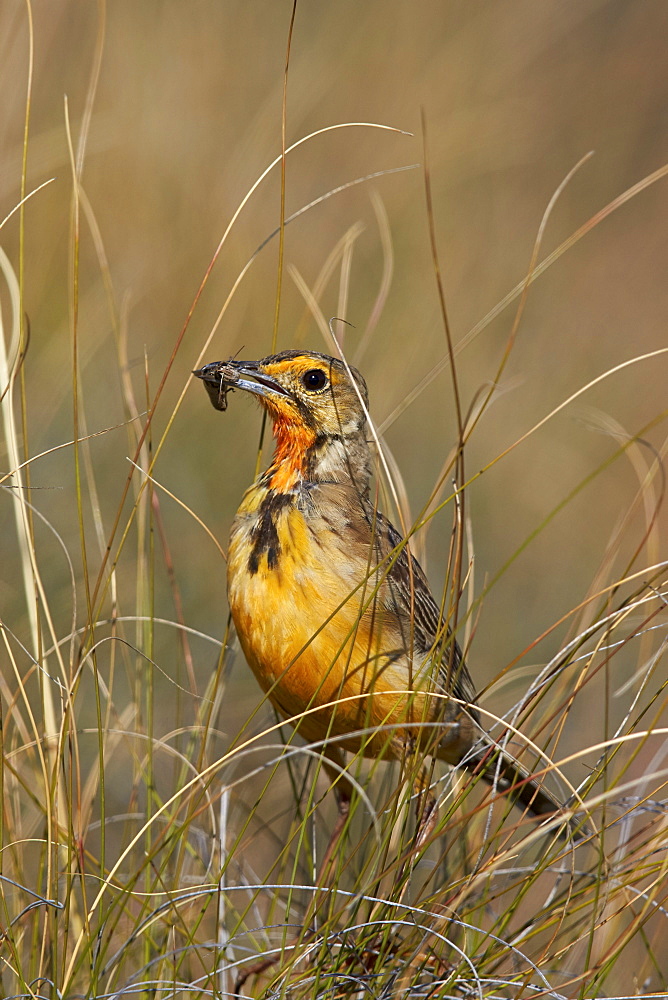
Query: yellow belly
(310, 631)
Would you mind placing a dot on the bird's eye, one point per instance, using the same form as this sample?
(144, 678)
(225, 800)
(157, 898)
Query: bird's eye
(314, 379)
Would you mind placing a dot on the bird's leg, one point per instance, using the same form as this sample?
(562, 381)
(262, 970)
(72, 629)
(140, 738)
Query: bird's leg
(426, 809)
(426, 817)
(334, 764)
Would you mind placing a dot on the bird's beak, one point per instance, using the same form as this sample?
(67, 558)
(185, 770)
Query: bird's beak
(220, 377)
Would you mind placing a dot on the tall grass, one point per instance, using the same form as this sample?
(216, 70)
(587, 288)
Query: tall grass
(162, 832)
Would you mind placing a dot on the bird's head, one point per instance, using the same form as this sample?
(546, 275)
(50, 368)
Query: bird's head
(312, 401)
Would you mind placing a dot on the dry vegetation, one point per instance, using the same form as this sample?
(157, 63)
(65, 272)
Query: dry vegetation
(161, 832)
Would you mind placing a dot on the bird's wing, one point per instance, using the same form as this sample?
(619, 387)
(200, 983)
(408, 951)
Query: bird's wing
(404, 607)
(408, 601)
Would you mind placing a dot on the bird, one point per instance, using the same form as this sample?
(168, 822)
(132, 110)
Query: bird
(333, 613)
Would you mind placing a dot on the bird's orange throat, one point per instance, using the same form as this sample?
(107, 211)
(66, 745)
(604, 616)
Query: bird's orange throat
(293, 440)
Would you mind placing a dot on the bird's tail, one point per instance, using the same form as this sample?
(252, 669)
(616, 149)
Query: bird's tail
(510, 778)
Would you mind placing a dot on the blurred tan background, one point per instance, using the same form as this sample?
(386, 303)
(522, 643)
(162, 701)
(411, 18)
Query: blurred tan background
(186, 116)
